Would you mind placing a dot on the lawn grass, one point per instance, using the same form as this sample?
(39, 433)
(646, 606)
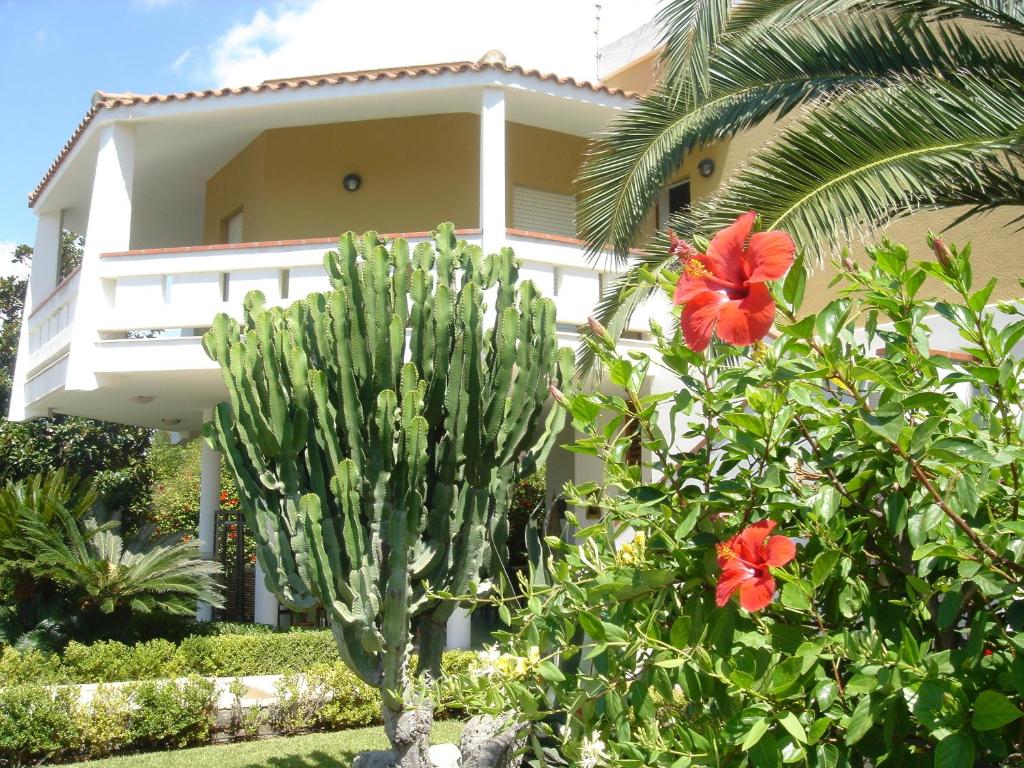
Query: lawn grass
(316, 750)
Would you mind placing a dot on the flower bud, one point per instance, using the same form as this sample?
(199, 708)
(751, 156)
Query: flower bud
(556, 393)
(597, 329)
(848, 264)
(942, 253)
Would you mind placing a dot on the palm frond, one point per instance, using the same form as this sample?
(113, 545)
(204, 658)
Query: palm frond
(691, 30)
(855, 164)
(763, 74)
(1006, 15)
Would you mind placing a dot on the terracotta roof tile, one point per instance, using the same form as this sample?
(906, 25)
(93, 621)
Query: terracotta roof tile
(102, 100)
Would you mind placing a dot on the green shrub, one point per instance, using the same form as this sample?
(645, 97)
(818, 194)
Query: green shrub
(858, 488)
(105, 723)
(36, 724)
(348, 701)
(109, 661)
(172, 714)
(260, 654)
(29, 666)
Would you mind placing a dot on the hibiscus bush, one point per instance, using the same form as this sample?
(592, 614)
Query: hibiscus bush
(820, 560)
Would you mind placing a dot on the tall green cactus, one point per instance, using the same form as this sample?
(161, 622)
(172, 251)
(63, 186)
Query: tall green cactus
(375, 432)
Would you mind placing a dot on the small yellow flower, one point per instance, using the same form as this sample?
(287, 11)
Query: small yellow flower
(632, 552)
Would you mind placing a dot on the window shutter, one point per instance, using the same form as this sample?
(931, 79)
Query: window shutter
(547, 212)
(233, 229)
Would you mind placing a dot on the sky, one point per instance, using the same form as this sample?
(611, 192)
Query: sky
(54, 54)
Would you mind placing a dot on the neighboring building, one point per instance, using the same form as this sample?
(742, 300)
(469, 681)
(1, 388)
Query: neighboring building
(188, 201)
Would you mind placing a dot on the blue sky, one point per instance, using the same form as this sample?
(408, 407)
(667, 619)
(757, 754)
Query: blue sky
(55, 53)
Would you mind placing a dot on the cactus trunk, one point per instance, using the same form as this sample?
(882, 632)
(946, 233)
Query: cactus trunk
(375, 432)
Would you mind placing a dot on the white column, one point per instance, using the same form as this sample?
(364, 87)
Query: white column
(41, 282)
(459, 630)
(492, 168)
(264, 602)
(209, 503)
(108, 229)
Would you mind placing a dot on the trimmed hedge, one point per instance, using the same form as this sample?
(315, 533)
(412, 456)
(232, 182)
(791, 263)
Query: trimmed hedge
(40, 723)
(220, 655)
(43, 724)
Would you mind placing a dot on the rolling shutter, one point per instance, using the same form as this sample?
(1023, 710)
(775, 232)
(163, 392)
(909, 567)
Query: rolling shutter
(548, 212)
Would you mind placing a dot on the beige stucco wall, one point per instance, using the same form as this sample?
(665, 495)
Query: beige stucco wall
(416, 172)
(541, 159)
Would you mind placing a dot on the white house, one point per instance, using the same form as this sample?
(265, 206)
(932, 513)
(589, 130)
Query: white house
(189, 200)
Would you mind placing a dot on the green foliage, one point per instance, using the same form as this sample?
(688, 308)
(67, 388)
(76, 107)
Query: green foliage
(225, 655)
(375, 433)
(275, 653)
(175, 490)
(36, 724)
(67, 567)
(111, 454)
(172, 715)
(109, 661)
(893, 637)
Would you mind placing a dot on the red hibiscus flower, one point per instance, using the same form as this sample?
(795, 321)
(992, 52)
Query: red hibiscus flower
(723, 291)
(745, 560)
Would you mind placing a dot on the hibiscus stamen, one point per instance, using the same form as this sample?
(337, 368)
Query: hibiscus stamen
(724, 551)
(695, 269)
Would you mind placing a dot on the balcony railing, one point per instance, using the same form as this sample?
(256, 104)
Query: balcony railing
(154, 304)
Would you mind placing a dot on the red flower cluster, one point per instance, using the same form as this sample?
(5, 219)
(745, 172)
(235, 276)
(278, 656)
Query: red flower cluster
(723, 291)
(745, 560)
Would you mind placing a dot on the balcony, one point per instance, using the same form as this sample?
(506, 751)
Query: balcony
(136, 354)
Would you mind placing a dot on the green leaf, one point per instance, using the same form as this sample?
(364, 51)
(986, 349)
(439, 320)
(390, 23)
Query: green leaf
(795, 598)
(757, 729)
(824, 565)
(831, 318)
(860, 721)
(550, 672)
(993, 710)
(793, 287)
(955, 751)
(886, 421)
(794, 727)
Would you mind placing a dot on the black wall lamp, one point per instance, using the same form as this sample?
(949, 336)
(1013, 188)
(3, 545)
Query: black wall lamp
(351, 182)
(706, 167)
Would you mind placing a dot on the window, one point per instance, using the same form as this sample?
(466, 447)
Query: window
(679, 197)
(233, 228)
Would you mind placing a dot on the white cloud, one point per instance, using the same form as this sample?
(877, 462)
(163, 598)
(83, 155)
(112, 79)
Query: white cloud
(7, 267)
(319, 36)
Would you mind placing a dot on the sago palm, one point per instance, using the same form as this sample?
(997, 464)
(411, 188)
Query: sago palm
(59, 555)
(909, 104)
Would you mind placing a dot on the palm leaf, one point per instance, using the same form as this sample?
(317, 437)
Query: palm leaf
(765, 73)
(1007, 15)
(855, 164)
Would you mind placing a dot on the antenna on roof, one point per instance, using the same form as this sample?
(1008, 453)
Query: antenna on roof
(597, 41)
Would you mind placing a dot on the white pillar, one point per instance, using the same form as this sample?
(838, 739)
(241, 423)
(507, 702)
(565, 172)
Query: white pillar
(209, 503)
(41, 282)
(492, 168)
(459, 634)
(264, 602)
(108, 229)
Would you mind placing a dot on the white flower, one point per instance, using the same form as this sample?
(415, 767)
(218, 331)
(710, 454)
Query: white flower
(487, 662)
(592, 751)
